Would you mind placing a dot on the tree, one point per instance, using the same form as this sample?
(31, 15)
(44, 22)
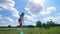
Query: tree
(45, 26)
(9, 25)
(51, 23)
(39, 24)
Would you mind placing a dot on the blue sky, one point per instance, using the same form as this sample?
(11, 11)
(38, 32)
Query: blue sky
(35, 10)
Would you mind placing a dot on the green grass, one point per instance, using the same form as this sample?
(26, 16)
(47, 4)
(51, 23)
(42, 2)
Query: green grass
(54, 30)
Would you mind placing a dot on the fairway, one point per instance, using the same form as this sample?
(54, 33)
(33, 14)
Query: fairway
(54, 30)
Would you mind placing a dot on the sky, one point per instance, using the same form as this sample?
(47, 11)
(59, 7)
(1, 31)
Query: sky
(34, 10)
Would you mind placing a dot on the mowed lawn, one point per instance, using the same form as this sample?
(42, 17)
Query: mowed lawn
(53, 30)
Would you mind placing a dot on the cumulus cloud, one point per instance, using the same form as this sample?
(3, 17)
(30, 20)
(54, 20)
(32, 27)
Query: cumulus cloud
(28, 23)
(58, 19)
(5, 21)
(54, 19)
(50, 9)
(6, 3)
(10, 19)
(50, 19)
(34, 6)
(14, 12)
(30, 18)
(9, 5)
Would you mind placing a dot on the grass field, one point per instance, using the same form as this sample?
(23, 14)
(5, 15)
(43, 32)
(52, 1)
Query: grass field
(54, 30)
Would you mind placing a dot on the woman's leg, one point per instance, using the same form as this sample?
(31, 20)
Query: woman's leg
(20, 25)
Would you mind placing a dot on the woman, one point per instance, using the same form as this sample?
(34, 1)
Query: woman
(20, 20)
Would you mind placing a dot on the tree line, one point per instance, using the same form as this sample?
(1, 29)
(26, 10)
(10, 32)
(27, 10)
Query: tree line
(47, 25)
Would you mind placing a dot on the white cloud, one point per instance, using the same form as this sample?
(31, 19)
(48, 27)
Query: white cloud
(58, 19)
(50, 9)
(28, 17)
(6, 3)
(34, 6)
(54, 19)
(3, 24)
(14, 12)
(37, 1)
(9, 5)
(50, 19)
(6, 19)
(9, 19)
(26, 23)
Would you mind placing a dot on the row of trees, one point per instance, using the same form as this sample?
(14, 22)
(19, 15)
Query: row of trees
(39, 24)
(47, 25)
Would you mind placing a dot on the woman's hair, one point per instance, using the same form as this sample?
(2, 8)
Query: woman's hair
(22, 14)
